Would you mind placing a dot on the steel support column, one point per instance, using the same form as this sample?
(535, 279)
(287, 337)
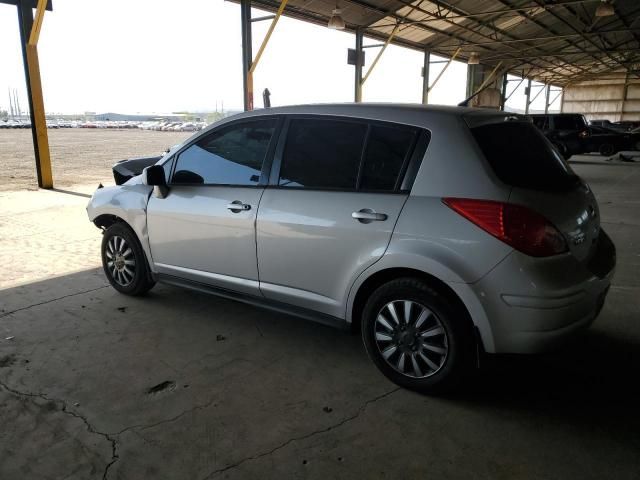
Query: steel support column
(546, 98)
(28, 42)
(425, 77)
(503, 91)
(471, 79)
(358, 65)
(528, 93)
(247, 54)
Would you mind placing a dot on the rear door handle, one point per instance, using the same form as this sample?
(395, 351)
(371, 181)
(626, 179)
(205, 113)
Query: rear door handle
(366, 215)
(237, 206)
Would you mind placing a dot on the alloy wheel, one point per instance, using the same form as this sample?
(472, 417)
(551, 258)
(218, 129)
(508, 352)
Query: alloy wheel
(121, 261)
(411, 338)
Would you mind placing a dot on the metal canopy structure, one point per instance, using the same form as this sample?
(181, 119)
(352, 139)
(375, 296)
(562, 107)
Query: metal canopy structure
(550, 41)
(555, 42)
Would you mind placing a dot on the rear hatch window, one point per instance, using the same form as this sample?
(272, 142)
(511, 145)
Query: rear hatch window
(522, 157)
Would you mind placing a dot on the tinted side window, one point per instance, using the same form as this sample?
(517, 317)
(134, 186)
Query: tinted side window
(231, 156)
(569, 122)
(521, 156)
(322, 154)
(385, 155)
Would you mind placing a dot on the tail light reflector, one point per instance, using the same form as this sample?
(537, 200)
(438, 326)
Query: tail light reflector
(515, 225)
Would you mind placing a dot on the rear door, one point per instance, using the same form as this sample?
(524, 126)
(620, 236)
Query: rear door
(334, 196)
(204, 229)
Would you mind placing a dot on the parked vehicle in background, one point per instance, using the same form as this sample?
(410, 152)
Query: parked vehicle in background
(565, 130)
(627, 125)
(606, 124)
(608, 142)
(420, 226)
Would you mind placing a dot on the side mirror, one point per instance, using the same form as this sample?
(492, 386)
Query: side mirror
(154, 176)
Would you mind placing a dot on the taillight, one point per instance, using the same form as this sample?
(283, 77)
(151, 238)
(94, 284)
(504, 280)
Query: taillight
(520, 227)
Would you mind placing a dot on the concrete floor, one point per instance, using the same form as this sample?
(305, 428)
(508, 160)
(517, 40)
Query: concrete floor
(94, 384)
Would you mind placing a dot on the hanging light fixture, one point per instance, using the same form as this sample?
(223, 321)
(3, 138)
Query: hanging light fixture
(474, 59)
(605, 9)
(336, 22)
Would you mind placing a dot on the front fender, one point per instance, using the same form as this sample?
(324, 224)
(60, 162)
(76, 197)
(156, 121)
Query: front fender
(128, 202)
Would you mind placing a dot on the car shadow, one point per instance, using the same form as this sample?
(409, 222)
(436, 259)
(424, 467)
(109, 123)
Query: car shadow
(591, 384)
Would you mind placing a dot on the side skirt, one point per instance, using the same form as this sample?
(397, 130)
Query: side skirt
(273, 305)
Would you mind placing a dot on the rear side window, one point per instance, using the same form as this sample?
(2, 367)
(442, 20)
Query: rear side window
(322, 154)
(231, 156)
(344, 155)
(522, 157)
(386, 153)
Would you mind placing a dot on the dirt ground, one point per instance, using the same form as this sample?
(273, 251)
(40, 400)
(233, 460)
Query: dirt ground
(78, 155)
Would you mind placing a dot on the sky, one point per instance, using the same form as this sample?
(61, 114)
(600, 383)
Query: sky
(164, 56)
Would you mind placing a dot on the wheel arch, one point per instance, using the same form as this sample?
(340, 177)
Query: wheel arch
(105, 220)
(459, 293)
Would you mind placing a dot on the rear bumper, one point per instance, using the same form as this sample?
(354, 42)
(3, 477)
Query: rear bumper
(533, 305)
(547, 322)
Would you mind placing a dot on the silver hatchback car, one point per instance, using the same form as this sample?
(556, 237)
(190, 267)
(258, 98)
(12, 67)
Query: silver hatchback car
(437, 232)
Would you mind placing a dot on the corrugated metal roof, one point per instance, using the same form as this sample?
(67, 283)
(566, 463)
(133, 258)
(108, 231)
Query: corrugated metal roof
(557, 41)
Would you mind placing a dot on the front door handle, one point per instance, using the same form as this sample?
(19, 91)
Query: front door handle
(237, 206)
(366, 215)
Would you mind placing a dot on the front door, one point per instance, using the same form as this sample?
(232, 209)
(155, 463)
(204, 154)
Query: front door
(204, 229)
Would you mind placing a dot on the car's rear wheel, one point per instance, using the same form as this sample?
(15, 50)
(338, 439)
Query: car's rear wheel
(124, 261)
(418, 337)
(607, 149)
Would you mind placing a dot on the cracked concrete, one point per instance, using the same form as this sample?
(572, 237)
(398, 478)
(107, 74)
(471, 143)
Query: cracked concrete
(283, 398)
(48, 408)
(303, 437)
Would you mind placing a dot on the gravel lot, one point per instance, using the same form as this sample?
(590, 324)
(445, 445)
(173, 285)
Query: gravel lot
(78, 155)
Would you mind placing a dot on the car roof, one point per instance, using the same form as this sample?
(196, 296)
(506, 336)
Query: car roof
(370, 110)
(555, 115)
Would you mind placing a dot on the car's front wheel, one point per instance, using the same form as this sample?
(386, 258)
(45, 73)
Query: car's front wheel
(124, 261)
(417, 337)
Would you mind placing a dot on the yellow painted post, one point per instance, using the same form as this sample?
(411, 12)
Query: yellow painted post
(263, 45)
(38, 115)
(250, 89)
(455, 54)
(254, 64)
(39, 119)
(384, 47)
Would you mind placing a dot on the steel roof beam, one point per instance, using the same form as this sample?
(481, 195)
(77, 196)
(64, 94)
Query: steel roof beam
(582, 34)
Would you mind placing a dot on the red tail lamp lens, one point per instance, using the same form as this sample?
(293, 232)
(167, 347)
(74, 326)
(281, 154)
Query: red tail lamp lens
(517, 226)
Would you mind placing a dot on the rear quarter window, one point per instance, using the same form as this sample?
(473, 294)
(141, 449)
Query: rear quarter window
(522, 157)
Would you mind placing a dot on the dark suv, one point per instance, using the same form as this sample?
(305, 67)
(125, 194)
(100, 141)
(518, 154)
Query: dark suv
(565, 130)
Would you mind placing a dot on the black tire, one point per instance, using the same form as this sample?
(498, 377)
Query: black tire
(607, 149)
(126, 277)
(457, 337)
